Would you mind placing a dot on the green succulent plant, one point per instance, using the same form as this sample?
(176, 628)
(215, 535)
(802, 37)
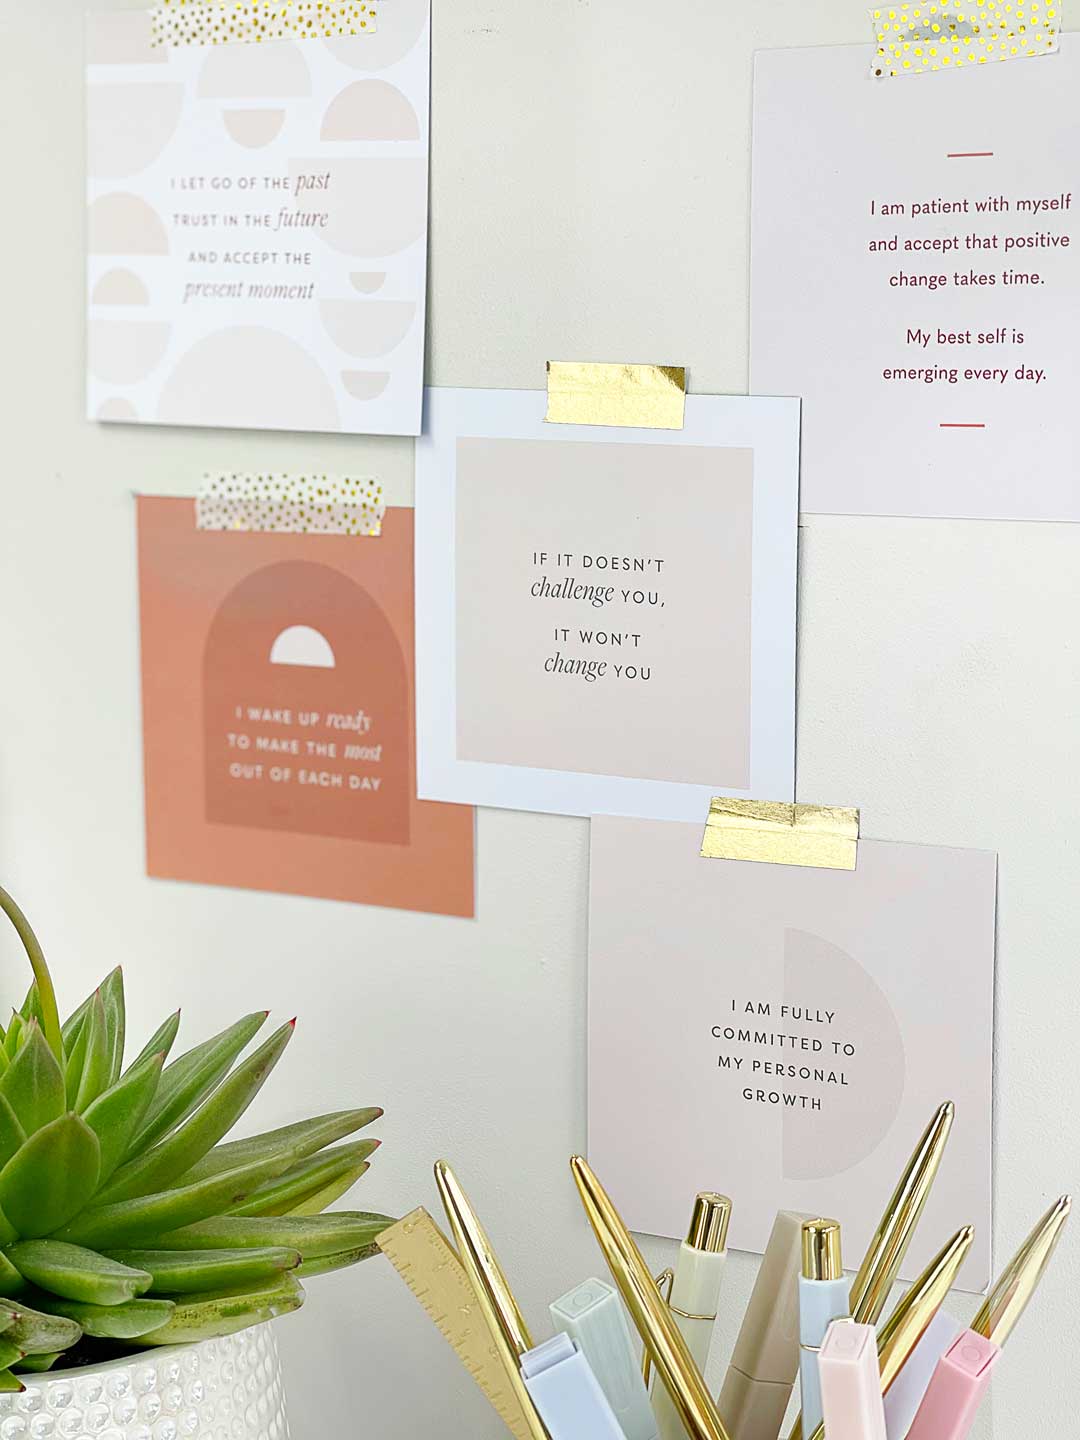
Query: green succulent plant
(126, 1216)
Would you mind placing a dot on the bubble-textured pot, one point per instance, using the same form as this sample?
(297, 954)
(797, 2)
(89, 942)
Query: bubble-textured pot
(227, 1389)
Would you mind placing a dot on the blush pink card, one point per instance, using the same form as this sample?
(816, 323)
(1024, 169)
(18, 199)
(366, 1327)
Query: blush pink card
(784, 1034)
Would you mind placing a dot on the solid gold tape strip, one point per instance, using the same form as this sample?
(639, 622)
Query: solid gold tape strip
(177, 23)
(952, 34)
(650, 397)
(776, 833)
(291, 504)
(430, 1267)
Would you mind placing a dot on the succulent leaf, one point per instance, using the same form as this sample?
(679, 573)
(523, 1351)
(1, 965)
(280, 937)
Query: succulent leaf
(94, 1077)
(46, 993)
(312, 1235)
(285, 1192)
(336, 1260)
(75, 1273)
(51, 1177)
(189, 1079)
(75, 1060)
(183, 1272)
(316, 1201)
(73, 1024)
(11, 1283)
(14, 1031)
(298, 1141)
(31, 1010)
(116, 1322)
(10, 1384)
(37, 1364)
(115, 1116)
(12, 1134)
(175, 1155)
(39, 1334)
(33, 1083)
(112, 998)
(10, 1354)
(223, 1313)
(142, 1221)
(162, 1040)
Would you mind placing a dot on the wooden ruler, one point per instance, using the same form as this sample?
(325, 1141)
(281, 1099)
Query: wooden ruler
(427, 1262)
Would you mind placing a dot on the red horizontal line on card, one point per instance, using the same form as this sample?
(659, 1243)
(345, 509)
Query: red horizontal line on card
(970, 155)
(962, 425)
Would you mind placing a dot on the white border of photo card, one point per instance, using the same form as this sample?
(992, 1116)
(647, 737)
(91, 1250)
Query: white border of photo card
(770, 427)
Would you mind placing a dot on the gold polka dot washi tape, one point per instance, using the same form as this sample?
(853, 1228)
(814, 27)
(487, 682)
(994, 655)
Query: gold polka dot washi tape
(951, 34)
(291, 504)
(247, 22)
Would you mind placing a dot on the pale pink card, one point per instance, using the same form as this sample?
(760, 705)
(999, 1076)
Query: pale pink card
(784, 1034)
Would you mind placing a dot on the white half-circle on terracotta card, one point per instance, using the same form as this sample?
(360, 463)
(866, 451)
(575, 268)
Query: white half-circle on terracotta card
(122, 224)
(254, 72)
(120, 287)
(365, 384)
(253, 128)
(117, 409)
(401, 23)
(249, 377)
(377, 205)
(861, 1112)
(123, 351)
(370, 110)
(128, 126)
(301, 645)
(366, 328)
(366, 282)
(122, 37)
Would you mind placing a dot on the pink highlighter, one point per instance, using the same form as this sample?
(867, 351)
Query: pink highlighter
(955, 1393)
(851, 1401)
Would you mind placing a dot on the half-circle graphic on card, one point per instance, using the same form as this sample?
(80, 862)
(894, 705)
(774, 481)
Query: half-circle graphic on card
(365, 384)
(370, 110)
(366, 328)
(400, 26)
(123, 224)
(123, 351)
(253, 128)
(374, 205)
(120, 287)
(820, 981)
(128, 126)
(301, 645)
(299, 744)
(366, 282)
(249, 377)
(255, 72)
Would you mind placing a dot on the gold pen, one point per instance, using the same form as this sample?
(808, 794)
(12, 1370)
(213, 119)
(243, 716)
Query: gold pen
(1019, 1280)
(908, 1323)
(494, 1300)
(881, 1264)
(661, 1335)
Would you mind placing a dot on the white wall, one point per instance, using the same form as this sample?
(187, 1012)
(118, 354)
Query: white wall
(590, 180)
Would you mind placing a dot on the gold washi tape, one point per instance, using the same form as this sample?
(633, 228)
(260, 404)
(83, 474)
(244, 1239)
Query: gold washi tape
(246, 22)
(291, 504)
(651, 397)
(951, 34)
(776, 833)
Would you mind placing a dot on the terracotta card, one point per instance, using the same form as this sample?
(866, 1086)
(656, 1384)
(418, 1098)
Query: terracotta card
(784, 1034)
(278, 716)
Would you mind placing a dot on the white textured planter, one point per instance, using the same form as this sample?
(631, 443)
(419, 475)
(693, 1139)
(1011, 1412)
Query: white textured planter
(228, 1389)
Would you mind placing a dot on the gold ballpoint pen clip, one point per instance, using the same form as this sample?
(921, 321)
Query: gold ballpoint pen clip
(908, 1323)
(881, 1264)
(664, 1283)
(655, 1323)
(494, 1298)
(1019, 1280)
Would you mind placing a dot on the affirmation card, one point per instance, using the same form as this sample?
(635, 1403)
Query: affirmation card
(606, 616)
(258, 209)
(790, 1032)
(278, 716)
(916, 277)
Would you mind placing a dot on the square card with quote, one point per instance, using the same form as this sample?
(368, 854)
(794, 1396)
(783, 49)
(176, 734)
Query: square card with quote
(258, 213)
(785, 1034)
(915, 278)
(605, 616)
